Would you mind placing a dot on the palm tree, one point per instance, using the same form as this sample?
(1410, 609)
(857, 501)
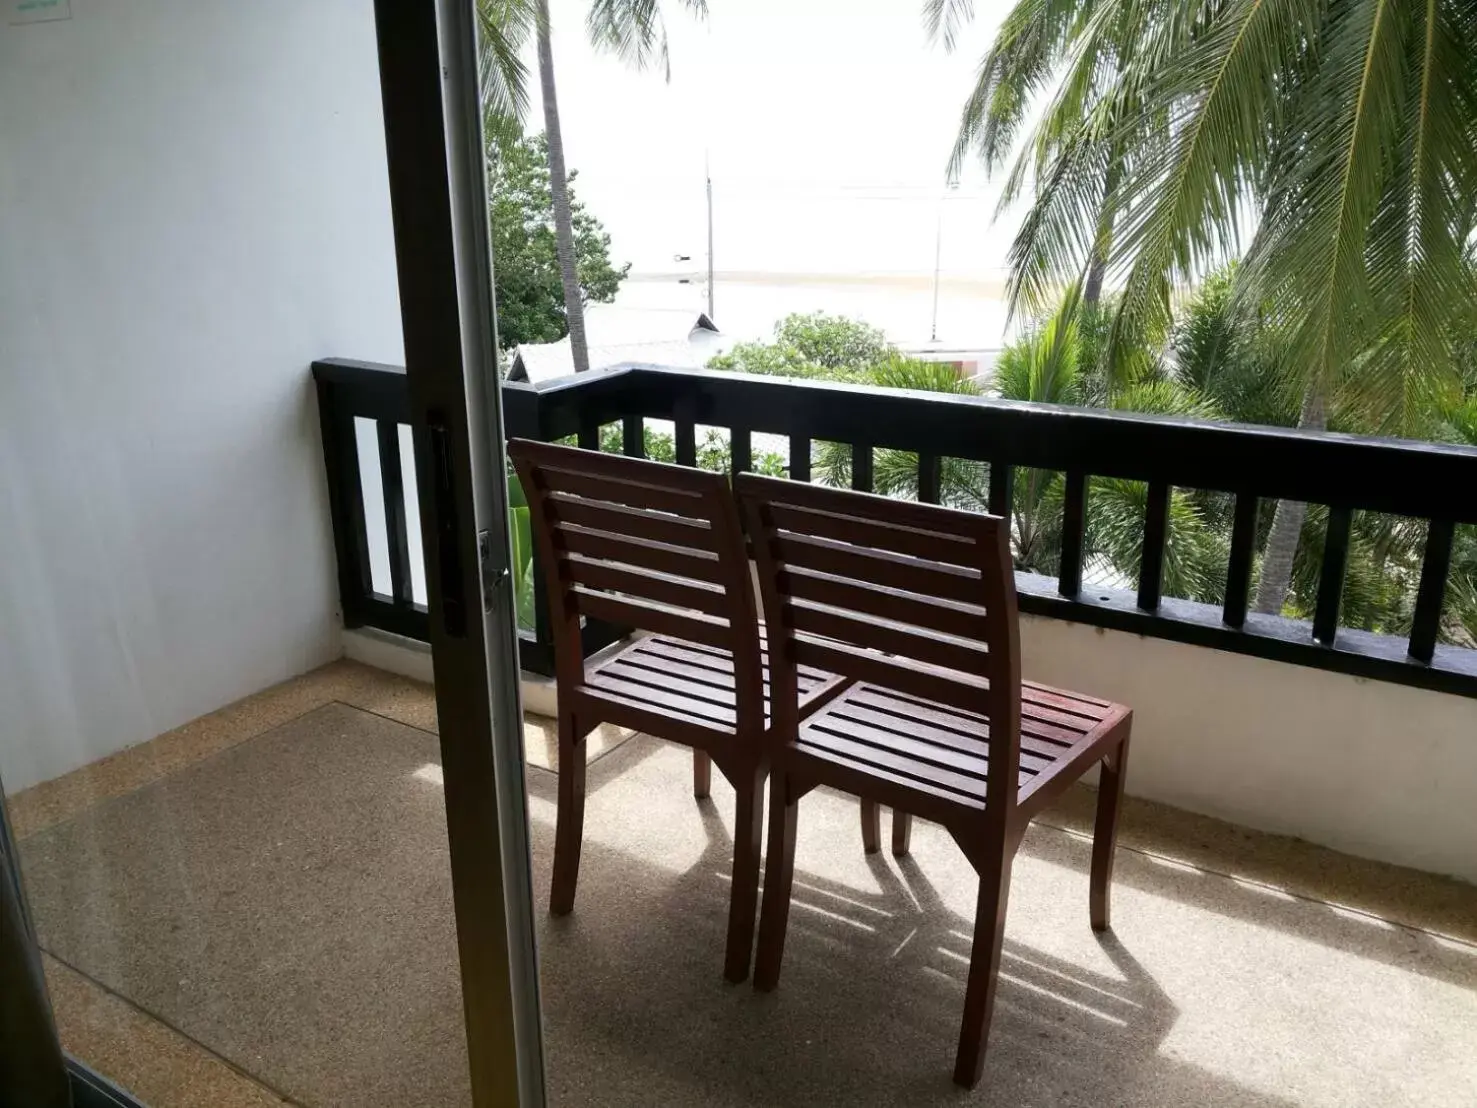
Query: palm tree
(574, 307)
(1043, 49)
(1229, 358)
(1053, 364)
(632, 29)
(1339, 135)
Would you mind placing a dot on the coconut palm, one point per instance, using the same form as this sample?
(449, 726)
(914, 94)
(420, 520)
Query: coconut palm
(1229, 358)
(1338, 137)
(1044, 51)
(1053, 364)
(632, 29)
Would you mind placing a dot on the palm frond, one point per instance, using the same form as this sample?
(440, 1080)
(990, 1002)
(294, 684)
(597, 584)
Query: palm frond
(942, 19)
(897, 371)
(1419, 275)
(1165, 397)
(1044, 367)
(1185, 199)
(503, 29)
(1325, 184)
(1020, 65)
(1194, 555)
(635, 31)
(1055, 242)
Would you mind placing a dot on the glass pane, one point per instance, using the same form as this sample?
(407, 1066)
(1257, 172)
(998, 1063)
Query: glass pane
(366, 439)
(413, 516)
(234, 841)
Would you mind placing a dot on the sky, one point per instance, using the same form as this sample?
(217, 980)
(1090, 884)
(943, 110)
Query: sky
(827, 127)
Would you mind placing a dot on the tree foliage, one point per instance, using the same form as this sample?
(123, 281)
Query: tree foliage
(814, 345)
(1212, 365)
(1333, 143)
(526, 282)
(634, 30)
(1329, 144)
(714, 450)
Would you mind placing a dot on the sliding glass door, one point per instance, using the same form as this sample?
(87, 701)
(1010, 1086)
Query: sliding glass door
(433, 126)
(244, 869)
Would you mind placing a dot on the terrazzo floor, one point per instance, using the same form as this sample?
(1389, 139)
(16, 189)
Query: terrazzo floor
(255, 910)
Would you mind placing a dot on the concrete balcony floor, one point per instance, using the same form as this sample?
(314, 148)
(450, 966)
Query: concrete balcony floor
(255, 909)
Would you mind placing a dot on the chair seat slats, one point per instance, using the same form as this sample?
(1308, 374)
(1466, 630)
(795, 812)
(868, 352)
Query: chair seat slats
(932, 743)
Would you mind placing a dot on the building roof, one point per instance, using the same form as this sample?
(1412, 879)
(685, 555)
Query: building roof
(615, 335)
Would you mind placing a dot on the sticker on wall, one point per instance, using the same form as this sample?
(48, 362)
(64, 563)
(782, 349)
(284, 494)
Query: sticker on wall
(38, 11)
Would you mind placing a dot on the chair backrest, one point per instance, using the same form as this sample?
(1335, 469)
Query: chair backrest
(642, 544)
(911, 597)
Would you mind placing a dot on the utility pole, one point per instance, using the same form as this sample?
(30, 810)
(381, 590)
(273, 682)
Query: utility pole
(938, 254)
(708, 175)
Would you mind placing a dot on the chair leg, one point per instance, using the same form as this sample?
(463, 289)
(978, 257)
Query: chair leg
(779, 876)
(984, 968)
(570, 826)
(702, 774)
(748, 831)
(871, 826)
(902, 833)
(1105, 834)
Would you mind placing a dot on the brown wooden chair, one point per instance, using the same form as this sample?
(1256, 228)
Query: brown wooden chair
(917, 604)
(659, 548)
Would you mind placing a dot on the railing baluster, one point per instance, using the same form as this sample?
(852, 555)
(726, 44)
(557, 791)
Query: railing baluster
(1331, 575)
(1435, 566)
(345, 503)
(1002, 488)
(392, 483)
(685, 439)
(742, 449)
(1238, 572)
(1074, 519)
(1156, 531)
(930, 474)
(589, 434)
(633, 436)
(799, 458)
(861, 466)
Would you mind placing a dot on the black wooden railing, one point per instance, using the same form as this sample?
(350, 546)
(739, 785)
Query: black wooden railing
(1424, 481)
(356, 399)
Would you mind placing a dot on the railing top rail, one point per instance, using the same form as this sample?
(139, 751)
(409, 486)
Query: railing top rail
(1423, 480)
(373, 390)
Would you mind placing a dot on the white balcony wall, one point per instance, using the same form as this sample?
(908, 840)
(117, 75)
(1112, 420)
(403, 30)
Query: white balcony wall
(1376, 770)
(1373, 769)
(193, 206)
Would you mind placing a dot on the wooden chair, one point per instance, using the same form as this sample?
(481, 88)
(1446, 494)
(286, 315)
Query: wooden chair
(917, 604)
(659, 548)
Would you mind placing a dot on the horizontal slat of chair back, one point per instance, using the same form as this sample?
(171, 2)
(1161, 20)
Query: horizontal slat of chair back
(898, 538)
(676, 591)
(912, 597)
(947, 617)
(889, 637)
(893, 673)
(637, 543)
(671, 529)
(623, 487)
(862, 564)
(651, 617)
(628, 549)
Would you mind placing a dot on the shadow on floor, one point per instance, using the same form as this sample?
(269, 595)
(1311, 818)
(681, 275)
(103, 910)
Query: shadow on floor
(868, 1007)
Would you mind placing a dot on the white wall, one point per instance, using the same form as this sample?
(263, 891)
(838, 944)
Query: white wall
(193, 206)
(1378, 770)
